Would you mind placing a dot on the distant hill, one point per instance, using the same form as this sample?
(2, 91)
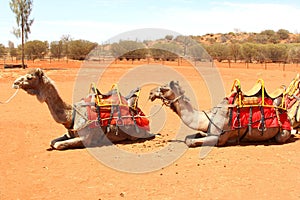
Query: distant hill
(264, 37)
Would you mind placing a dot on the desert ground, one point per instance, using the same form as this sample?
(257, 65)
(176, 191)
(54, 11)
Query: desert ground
(262, 170)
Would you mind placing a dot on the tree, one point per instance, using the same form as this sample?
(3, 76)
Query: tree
(166, 51)
(261, 53)
(249, 52)
(22, 10)
(128, 49)
(277, 52)
(186, 42)
(79, 49)
(117, 50)
(11, 49)
(283, 34)
(36, 49)
(294, 53)
(169, 37)
(2, 50)
(56, 49)
(268, 33)
(235, 51)
(65, 40)
(196, 52)
(219, 51)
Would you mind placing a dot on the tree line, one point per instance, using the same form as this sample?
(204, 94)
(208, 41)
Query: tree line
(266, 46)
(36, 49)
(168, 48)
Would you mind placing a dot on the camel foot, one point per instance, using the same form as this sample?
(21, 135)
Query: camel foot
(192, 142)
(59, 146)
(206, 141)
(294, 131)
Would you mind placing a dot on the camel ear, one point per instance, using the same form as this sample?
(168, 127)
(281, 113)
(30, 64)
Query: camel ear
(39, 72)
(173, 84)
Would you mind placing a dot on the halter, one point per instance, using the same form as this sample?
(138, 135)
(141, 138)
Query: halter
(168, 102)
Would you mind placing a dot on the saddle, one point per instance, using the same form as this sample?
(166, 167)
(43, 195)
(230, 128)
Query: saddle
(257, 108)
(257, 95)
(114, 109)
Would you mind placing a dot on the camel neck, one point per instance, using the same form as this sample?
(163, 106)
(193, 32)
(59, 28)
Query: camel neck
(60, 111)
(191, 117)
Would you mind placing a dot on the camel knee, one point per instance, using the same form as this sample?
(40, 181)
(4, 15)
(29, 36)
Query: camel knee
(59, 146)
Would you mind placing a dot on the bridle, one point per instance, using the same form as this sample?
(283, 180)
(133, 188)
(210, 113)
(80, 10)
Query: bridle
(168, 102)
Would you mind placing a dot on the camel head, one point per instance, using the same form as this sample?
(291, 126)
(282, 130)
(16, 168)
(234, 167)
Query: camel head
(132, 97)
(32, 82)
(168, 93)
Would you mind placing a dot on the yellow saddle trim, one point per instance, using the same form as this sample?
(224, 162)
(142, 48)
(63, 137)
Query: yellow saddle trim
(250, 98)
(100, 101)
(105, 102)
(292, 88)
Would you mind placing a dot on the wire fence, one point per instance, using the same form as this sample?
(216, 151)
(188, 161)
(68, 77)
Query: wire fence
(11, 62)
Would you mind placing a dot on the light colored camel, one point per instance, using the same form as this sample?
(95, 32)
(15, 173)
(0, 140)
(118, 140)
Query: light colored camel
(74, 118)
(214, 124)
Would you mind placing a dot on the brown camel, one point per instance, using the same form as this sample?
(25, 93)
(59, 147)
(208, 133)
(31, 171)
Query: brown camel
(214, 125)
(74, 118)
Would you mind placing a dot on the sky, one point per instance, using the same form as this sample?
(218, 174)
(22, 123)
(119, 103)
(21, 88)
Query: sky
(100, 20)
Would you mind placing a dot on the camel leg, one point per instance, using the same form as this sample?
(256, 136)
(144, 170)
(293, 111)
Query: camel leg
(62, 138)
(68, 144)
(283, 136)
(211, 140)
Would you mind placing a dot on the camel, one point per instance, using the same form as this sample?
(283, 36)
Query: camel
(214, 125)
(74, 117)
(291, 101)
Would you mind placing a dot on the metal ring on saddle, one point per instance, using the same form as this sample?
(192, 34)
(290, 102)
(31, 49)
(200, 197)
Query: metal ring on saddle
(119, 122)
(261, 125)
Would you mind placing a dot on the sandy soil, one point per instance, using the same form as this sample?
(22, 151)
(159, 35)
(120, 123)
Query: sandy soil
(29, 171)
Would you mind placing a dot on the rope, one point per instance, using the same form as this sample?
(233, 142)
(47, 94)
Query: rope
(151, 115)
(9, 99)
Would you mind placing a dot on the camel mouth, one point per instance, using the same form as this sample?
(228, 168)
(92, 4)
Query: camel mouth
(15, 86)
(152, 97)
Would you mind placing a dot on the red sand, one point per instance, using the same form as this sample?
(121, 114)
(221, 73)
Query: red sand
(29, 171)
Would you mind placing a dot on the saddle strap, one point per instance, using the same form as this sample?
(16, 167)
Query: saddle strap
(262, 126)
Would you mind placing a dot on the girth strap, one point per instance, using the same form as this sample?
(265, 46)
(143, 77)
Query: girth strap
(98, 115)
(262, 126)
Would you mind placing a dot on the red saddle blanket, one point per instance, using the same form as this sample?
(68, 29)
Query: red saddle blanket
(114, 112)
(268, 112)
